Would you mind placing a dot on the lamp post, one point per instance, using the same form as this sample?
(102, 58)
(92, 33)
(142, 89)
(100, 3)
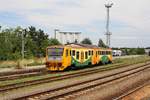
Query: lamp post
(108, 33)
(55, 31)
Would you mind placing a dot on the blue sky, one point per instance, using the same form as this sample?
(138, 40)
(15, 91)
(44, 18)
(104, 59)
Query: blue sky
(129, 24)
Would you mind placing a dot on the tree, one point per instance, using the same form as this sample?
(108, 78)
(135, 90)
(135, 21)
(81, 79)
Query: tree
(53, 41)
(140, 51)
(86, 41)
(101, 43)
(35, 42)
(39, 40)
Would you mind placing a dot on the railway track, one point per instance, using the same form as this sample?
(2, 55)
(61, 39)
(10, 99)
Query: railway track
(58, 92)
(22, 75)
(55, 78)
(21, 71)
(131, 91)
(25, 73)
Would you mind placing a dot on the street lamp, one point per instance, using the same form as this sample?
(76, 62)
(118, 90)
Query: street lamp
(108, 33)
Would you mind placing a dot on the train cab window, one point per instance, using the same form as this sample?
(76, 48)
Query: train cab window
(66, 52)
(73, 52)
(77, 55)
(86, 55)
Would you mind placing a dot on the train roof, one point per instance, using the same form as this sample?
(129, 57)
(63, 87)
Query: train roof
(78, 45)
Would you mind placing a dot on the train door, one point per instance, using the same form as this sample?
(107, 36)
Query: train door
(82, 56)
(95, 56)
(67, 57)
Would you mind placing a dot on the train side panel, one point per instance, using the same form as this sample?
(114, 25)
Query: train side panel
(81, 57)
(76, 57)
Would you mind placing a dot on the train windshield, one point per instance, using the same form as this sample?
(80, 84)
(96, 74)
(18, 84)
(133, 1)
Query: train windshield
(55, 51)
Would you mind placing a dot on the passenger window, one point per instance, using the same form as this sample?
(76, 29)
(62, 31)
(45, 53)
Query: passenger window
(92, 52)
(66, 52)
(102, 52)
(96, 53)
(89, 52)
(73, 52)
(86, 55)
(107, 53)
(77, 55)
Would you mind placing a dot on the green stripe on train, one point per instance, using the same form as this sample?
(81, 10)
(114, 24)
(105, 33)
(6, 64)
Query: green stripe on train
(79, 64)
(104, 59)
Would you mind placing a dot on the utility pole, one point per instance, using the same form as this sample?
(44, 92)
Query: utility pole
(108, 33)
(55, 31)
(22, 51)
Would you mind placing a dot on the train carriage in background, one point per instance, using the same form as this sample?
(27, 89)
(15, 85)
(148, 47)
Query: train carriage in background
(72, 56)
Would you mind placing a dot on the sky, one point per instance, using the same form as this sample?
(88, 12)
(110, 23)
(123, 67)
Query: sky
(129, 19)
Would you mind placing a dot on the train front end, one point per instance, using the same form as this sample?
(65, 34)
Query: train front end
(54, 58)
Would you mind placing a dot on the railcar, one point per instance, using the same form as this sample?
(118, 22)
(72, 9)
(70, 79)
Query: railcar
(71, 56)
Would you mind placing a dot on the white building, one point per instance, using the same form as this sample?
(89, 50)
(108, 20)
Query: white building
(67, 37)
(116, 52)
(147, 51)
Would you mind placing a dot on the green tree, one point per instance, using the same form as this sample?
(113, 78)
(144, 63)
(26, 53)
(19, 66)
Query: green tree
(10, 43)
(101, 43)
(38, 39)
(140, 51)
(86, 41)
(53, 41)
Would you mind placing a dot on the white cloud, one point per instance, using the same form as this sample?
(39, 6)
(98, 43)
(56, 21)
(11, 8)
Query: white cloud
(84, 13)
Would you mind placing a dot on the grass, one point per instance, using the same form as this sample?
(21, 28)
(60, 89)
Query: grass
(22, 63)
